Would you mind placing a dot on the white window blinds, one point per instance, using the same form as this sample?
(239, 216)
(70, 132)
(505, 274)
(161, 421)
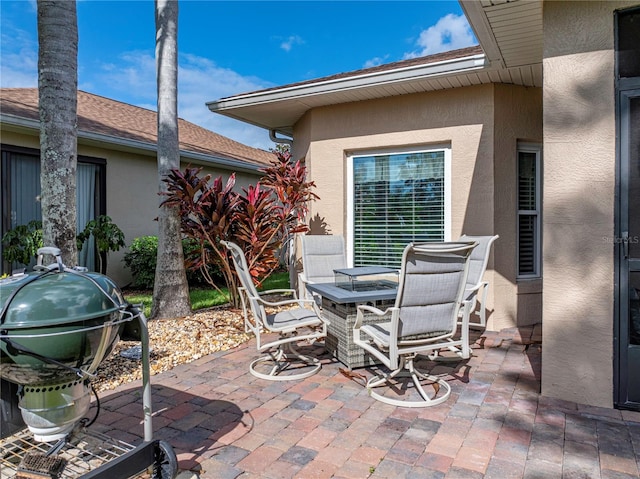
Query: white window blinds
(528, 214)
(397, 198)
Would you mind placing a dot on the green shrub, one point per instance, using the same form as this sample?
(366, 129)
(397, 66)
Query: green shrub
(20, 245)
(191, 250)
(142, 260)
(107, 235)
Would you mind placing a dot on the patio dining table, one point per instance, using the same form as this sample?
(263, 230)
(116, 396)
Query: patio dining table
(340, 300)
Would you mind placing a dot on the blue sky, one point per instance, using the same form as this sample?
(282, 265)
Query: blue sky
(231, 47)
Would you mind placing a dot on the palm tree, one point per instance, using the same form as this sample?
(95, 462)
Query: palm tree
(170, 291)
(57, 87)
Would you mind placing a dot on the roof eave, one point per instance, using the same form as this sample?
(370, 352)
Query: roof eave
(431, 70)
(474, 12)
(135, 145)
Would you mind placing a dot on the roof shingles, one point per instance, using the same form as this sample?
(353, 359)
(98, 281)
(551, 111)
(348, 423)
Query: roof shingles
(104, 116)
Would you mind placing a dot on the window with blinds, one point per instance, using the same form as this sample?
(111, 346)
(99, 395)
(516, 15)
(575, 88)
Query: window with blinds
(528, 212)
(397, 198)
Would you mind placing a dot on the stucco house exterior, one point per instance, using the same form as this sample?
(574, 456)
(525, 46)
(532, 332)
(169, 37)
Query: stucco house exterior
(533, 135)
(117, 166)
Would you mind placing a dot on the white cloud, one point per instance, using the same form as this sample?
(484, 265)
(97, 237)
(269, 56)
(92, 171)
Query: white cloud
(374, 62)
(199, 80)
(19, 59)
(132, 79)
(288, 44)
(450, 33)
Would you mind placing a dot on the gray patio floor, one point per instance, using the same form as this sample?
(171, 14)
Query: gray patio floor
(223, 423)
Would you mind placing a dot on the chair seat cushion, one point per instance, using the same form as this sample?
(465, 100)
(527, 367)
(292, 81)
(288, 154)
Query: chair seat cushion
(381, 334)
(378, 332)
(292, 319)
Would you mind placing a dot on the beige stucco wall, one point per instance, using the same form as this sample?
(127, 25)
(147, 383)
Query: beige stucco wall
(518, 118)
(9, 137)
(132, 191)
(465, 120)
(579, 201)
(459, 118)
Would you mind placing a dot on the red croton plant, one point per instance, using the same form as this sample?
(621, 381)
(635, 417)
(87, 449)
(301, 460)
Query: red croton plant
(261, 219)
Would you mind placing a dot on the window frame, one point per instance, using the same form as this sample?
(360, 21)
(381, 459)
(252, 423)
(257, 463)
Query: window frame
(6, 150)
(537, 213)
(349, 227)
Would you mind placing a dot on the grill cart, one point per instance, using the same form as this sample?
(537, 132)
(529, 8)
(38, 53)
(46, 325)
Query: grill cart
(57, 325)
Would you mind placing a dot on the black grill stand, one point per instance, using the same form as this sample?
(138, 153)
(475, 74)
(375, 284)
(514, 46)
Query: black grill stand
(90, 455)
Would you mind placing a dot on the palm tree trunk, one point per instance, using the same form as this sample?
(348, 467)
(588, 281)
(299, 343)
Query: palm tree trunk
(58, 90)
(170, 292)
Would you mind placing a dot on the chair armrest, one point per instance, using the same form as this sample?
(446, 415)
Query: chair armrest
(278, 291)
(471, 292)
(299, 302)
(465, 310)
(475, 288)
(370, 309)
(303, 279)
(302, 286)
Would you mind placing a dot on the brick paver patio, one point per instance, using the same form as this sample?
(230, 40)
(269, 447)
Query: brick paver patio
(223, 423)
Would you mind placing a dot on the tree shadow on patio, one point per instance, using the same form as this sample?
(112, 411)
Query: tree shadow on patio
(195, 425)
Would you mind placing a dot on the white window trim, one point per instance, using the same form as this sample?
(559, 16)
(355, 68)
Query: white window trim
(391, 151)
(537, 149)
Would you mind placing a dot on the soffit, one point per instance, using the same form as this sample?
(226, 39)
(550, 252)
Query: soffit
(510, 31)
(281, 112)
(510, 34)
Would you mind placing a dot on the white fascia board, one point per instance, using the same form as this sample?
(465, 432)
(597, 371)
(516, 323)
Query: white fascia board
(415, 72)
(135, 145)
(477, 18)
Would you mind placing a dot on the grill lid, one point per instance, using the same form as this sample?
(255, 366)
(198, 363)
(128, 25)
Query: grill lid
(56, 297)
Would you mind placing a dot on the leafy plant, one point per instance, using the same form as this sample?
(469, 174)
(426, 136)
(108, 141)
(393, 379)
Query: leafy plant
(288, 182)
(191, 249)
(107, 235)
(21, 244)
(141, 259)
(205, 212)
(260, 220)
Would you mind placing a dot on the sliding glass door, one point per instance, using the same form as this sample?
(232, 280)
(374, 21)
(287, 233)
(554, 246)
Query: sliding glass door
(20, 179)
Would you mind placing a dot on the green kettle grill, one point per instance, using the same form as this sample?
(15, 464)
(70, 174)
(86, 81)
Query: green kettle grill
(57, 325)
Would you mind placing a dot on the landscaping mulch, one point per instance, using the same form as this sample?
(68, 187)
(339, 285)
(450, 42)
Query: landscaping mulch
(173, 342)
(176, 341)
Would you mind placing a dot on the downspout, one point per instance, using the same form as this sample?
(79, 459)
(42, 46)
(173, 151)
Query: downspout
(275, 139)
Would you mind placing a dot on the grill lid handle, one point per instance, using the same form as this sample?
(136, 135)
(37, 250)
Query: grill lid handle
(50, 250)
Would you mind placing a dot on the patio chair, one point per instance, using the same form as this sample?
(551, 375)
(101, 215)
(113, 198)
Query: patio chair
(477, 267)
(422, 321)
(281, 361)
(321, 254)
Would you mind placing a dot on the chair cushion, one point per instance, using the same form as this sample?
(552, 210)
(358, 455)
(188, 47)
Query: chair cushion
(321, 254)
(292, 319)
(478, 258)
(380, 333)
